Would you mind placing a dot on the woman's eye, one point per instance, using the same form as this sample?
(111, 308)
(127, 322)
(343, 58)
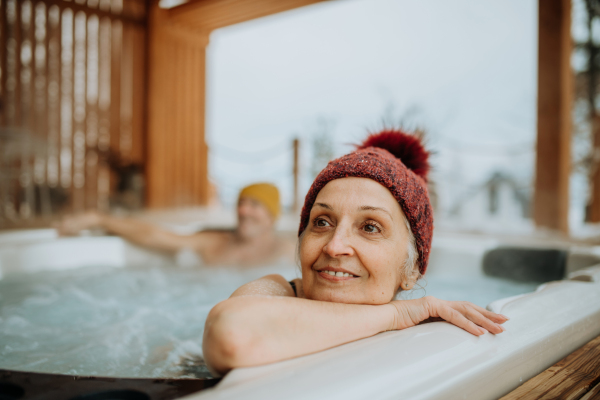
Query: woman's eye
(370, 228)
(321, 223)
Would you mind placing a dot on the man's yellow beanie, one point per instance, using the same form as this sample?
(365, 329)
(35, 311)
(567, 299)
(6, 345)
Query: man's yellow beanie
(265, 193)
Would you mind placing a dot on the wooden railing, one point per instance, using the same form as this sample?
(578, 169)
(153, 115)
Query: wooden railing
(72, 116)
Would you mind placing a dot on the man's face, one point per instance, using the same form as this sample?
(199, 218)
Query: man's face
(254, 219)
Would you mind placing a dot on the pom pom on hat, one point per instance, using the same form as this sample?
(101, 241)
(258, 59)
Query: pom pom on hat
(406, 147)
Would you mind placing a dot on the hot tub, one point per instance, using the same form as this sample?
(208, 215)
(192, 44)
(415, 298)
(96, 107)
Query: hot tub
(99, 307)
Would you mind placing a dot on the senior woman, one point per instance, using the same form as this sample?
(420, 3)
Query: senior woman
(365, 235)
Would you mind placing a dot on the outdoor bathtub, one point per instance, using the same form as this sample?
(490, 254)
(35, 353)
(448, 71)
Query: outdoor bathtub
(135, 314)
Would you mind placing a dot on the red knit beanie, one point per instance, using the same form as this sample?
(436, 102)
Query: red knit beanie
(398, 161)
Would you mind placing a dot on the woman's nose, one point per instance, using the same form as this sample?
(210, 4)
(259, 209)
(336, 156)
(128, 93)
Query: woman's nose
(339, 244)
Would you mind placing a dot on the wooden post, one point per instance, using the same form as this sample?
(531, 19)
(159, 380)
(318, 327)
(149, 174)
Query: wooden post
(177, 154)
(555, 91)
(176, 166)
(296, 173)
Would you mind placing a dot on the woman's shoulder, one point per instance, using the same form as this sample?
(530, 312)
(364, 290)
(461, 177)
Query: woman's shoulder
(268, 285)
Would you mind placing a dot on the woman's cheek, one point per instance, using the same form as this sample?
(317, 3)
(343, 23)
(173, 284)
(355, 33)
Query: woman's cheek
(382, 263)
(309, 252)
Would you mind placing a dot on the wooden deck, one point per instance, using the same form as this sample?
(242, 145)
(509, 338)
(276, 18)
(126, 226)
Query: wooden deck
(575, 377)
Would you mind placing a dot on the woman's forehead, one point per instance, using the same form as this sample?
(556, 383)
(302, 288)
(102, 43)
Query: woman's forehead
(358, 194)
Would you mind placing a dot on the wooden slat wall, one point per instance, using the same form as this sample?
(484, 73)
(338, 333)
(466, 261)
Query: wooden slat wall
(74, 95)
(72, 90)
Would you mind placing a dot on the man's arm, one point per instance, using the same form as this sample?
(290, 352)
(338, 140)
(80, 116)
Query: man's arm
(133, 230)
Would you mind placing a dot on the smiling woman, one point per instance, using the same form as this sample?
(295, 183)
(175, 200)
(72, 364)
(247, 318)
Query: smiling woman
(365, 234)
(352, 239)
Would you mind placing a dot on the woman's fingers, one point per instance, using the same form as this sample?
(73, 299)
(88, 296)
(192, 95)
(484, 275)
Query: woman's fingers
(456, 318)
(468, 316)
(497, 318)
(474, 315)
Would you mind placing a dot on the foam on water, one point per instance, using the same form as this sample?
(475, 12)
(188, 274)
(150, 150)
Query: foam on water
(148, 321)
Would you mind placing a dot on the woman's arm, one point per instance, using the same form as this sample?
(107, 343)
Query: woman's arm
(251, 329)
(135, 231)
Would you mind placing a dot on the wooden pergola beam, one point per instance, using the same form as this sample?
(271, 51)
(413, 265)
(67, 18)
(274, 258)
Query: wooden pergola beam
(555, 94)
(208, 15)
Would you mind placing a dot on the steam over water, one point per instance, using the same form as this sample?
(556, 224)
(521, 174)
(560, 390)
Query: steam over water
(148, 321)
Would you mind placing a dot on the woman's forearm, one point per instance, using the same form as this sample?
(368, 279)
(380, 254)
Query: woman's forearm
(252, 330)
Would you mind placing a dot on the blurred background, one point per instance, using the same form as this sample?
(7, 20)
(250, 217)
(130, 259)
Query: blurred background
(172, 106)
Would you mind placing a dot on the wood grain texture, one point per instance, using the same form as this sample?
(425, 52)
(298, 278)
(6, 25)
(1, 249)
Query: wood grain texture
(208, 15)
(572, 378)
(177, 155)
(125, 17)
(593, 394)
(555, 92)
(69, 98)
(177, 160)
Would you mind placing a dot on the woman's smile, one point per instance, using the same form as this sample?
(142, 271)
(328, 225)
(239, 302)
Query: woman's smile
(355, 247)
(336, 274)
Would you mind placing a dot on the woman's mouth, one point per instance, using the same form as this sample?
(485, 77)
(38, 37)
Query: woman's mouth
(332, 275)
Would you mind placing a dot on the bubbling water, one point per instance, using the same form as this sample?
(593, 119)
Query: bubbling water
(147, 321)
(129, 322)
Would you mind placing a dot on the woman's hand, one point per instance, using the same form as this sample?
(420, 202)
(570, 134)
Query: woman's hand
(465, 315)
(73, 224)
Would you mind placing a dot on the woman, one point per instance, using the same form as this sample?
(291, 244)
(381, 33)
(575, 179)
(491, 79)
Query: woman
(365, 235)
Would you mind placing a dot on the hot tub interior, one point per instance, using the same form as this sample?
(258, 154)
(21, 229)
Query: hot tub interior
(146, 320)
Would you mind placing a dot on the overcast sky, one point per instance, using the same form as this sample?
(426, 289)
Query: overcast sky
(467, 66)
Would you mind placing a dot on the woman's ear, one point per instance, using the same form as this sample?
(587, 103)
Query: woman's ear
(410, 279)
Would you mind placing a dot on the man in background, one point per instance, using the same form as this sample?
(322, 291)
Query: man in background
(253, 242)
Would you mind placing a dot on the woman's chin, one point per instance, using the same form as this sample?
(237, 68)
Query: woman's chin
(350, 291)
(336, 296)
(346, 296)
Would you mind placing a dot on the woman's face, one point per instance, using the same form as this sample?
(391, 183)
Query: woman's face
(357, 230)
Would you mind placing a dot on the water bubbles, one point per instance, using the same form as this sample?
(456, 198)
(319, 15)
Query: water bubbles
(144, 321)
